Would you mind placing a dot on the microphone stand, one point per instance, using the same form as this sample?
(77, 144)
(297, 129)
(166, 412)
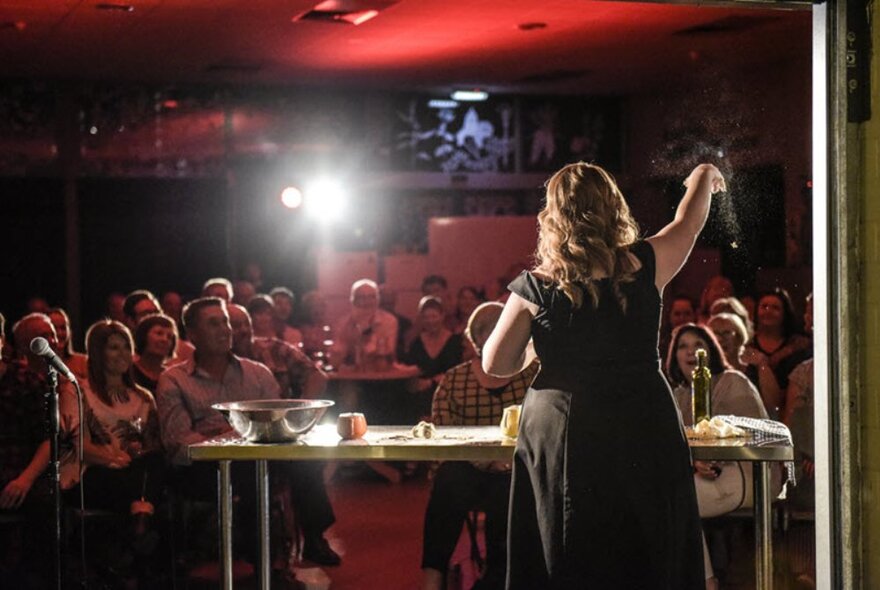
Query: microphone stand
(55, 470)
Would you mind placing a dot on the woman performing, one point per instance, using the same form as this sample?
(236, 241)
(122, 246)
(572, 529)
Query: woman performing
(602, 493)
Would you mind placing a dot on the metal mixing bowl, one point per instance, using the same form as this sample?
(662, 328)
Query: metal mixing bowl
(273, 420)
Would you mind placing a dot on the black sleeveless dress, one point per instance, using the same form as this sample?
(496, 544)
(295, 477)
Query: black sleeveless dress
(602, 493)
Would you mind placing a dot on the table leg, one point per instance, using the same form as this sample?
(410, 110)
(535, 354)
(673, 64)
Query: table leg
(263, 504)
(763, 530)
(224, 491)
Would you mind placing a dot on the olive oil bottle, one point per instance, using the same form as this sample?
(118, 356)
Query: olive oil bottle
(701, 388)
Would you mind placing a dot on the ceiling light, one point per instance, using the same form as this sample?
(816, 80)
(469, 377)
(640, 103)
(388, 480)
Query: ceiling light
(469, 95)
(358, 18)
(439, 103)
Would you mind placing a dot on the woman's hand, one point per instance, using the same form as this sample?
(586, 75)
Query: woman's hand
(707, 469)
(114, 459)
(716, 179)
(15, 492)
(750, 356)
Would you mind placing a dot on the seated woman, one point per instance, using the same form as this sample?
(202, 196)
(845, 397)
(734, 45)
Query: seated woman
(155, 341)
(721, 486)
(732, 336)
(736, 307)
(778, 336)
(467, 300)
(75, 361)
(122, 469)
(435, 351)
(468, 396)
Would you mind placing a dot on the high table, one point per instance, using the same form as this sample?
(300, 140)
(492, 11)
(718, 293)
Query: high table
(470, 443)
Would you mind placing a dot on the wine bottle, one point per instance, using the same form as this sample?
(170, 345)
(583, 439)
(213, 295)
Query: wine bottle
(701, 388)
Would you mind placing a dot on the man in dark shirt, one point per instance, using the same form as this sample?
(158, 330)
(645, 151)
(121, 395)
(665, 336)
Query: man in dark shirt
(24, 454)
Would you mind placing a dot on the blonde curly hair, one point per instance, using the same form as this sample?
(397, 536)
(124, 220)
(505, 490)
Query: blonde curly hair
(585, 230)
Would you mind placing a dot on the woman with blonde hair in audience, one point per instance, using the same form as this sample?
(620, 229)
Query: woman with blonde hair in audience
(75, 361)
(736, 307)
(155, 342)
(732, 335)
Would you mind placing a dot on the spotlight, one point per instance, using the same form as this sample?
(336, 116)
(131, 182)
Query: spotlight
(325, 200)
(291, 197)
(475, 95)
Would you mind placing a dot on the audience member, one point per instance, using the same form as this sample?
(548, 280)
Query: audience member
(367, 336)
(172, 306)
(468, 396)
(716, 288)
(253, 273)
(778, 335)
(24, 456)
(283, 300)
(137, 305)
(265, 320)
(242, 291)
(218, 287)
(798, 416)
(732, 335)
(298, 377)
(721, 486)
(25, 452)
(186, 394)
(296, 374)
(37, 304)
(75, 361)
(681, 311)
(155, 342)
(114, 305)
(315, 327)
(435, 286)
(466, 302)
(123, 466)
(736, 307)
(141, 303)
(435, 351)
(388, 302)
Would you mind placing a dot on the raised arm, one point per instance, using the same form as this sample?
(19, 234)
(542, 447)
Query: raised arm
(673, 244)
(507, 351)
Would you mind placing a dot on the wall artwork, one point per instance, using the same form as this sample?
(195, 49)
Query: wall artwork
(448, 136)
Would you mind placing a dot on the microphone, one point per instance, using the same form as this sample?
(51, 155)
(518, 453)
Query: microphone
(40, 347)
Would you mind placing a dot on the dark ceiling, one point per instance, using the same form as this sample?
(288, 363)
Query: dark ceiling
(527, 46)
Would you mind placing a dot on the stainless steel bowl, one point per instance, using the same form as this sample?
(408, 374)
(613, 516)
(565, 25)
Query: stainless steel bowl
(273, 420)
